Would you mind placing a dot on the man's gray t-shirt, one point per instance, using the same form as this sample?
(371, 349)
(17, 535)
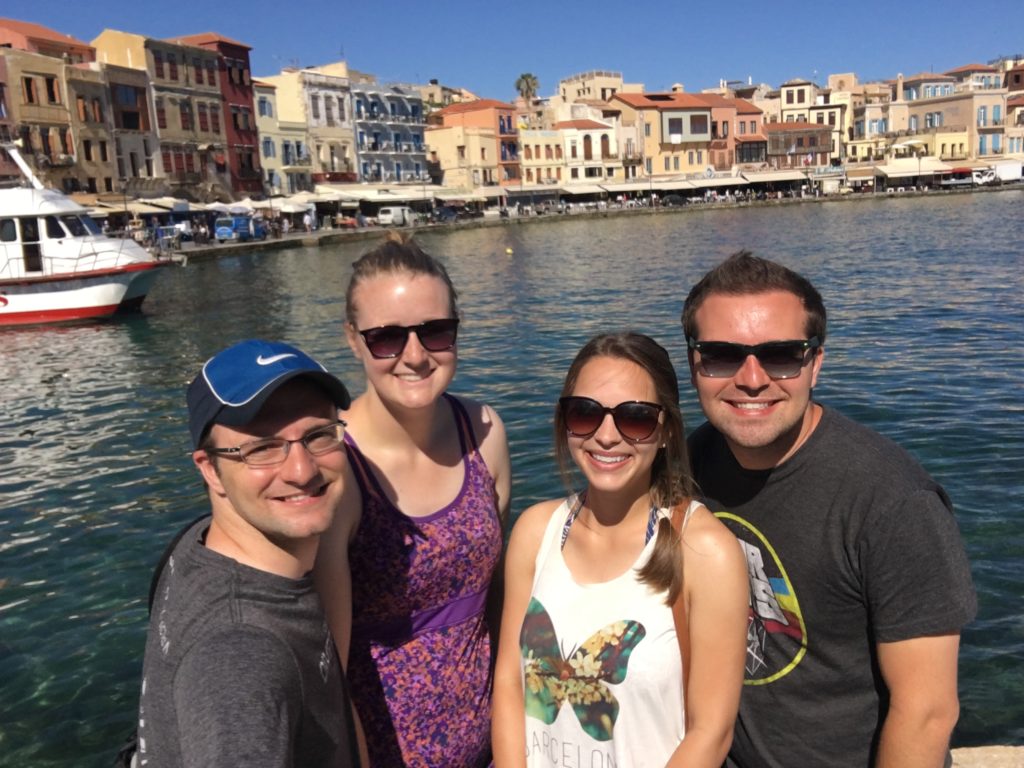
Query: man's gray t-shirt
(240, 669)
(849, 543)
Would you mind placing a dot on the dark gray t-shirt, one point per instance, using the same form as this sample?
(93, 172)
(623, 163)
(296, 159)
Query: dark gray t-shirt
(849, 543)
(240, 669)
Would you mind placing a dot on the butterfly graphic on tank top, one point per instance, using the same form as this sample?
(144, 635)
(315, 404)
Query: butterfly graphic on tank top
(578, 677)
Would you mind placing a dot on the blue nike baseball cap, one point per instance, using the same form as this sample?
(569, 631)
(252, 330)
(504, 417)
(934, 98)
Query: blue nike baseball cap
(235, 383)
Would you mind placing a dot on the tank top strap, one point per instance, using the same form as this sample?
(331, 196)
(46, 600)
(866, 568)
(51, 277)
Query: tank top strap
(364, 477)
(465, 428)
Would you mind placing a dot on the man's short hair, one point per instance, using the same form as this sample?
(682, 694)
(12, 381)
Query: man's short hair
(235, 383)
(743, 274)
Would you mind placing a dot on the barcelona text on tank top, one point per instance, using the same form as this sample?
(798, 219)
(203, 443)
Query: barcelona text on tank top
(419, 637)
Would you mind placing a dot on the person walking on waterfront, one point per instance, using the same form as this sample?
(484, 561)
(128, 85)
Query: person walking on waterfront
(590, 665)
(239, 666)
(430, 495)
(860, 583)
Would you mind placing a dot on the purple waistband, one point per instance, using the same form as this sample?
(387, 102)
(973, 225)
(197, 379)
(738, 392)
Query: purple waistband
(406, 627)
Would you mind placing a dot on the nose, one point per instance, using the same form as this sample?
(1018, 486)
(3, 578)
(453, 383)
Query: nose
(299, 465)
(751, 375)
(414, 353)
(607, 433)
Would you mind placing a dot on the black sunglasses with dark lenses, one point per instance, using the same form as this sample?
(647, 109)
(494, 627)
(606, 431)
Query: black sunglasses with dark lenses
(390, 340)
(779, 359)
(635, 419)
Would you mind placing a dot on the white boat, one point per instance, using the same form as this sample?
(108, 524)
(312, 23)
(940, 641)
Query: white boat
(57, 265)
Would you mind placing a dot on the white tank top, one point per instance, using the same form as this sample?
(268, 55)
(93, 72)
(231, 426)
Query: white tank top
(601, 669)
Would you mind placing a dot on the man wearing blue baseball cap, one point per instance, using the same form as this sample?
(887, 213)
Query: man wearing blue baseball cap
(240, 667)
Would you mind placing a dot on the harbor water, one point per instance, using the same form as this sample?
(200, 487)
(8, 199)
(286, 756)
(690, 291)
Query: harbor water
(926, 343)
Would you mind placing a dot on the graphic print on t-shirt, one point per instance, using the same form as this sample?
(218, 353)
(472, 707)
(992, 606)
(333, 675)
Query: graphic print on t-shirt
(776, 633)
(578, 677)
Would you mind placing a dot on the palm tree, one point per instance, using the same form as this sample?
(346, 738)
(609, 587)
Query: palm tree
(527, 85)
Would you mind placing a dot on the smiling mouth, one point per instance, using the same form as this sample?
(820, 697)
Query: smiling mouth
(608, 460)
(413, 377)
(751, 406)
(298, 497)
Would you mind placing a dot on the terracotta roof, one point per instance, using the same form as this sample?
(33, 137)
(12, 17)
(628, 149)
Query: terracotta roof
(583, 125)
(972, 68)
(39, 32)
(204, 38)
(742, 137)
(1015, 101)
(263, 84)
(473, 106)
(661, 100)
(796, 125)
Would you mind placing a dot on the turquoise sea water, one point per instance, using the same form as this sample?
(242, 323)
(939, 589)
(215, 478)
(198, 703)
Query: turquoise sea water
(926, 343)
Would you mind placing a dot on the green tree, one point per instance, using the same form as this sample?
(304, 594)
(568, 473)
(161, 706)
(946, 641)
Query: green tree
(527, 85)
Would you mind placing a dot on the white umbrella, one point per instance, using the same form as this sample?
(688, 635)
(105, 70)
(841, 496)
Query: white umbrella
(219, 207)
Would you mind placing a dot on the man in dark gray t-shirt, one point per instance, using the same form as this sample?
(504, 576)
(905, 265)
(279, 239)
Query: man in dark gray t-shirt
(240, 667)
(859, 581)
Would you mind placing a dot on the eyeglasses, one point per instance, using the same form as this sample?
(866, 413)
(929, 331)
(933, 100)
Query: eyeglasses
(271, 451)
(780, 359)
(390, 340)
(635, 419)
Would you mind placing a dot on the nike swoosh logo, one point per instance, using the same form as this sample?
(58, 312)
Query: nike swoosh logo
(261, 360)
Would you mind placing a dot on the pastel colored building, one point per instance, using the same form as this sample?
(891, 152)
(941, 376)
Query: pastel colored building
(187, 110)
(235, 81)
(389, 126)
(320, 100)
(495, 116)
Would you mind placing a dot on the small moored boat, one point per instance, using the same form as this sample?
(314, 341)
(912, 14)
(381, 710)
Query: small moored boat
(57, 265)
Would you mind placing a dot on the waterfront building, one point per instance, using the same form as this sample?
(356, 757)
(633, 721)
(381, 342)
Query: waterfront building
(591, 151)
(795, 99)
(693, 135)
(1015, 125)
(389, 126)
(272, 139)
(35, 109)
(186, 105)
(542, 158)
(1013, 80)
(135, 140)
(493, 117)
(235, 80)
(35, 38)
(8, 170)
(798, 144)
(436, 96)
(463, 157)
(40, 116)
(320, 100)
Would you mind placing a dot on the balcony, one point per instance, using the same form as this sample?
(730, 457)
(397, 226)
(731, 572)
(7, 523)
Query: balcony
(305, 161)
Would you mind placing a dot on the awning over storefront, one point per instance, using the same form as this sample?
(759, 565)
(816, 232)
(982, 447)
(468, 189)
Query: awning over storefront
(906, 167)
(583, 189)
(671, 186)
(755, 177)
(719, 181)
(627, 186)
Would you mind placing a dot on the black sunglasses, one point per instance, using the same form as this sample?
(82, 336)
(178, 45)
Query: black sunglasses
(635, 419)
(779, 359)
(390, 340)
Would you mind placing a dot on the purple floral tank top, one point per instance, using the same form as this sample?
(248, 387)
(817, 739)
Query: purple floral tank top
(420, 655)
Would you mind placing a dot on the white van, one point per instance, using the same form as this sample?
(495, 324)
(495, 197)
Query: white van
(395, 216)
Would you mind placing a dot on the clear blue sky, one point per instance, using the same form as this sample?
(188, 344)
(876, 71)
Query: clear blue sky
(484, 45)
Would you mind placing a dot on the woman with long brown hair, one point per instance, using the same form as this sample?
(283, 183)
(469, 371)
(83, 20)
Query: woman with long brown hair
(590, 663)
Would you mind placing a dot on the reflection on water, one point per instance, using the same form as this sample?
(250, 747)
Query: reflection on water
(925, 333)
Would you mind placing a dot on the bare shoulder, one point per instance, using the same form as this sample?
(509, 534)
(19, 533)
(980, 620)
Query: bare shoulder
(531, 524)
(485, 420)
(707, 538)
